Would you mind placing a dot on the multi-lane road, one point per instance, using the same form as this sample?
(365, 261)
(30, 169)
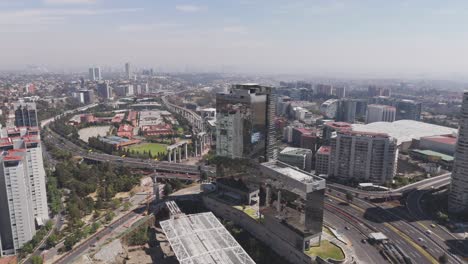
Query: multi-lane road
(395, 222)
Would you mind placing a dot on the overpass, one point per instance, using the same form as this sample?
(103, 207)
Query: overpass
(440, 180)
(193, 118)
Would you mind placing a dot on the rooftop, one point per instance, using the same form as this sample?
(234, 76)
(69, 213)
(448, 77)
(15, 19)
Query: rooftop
(295, 151)
(338, 125)
(442, 139)
(324, 150)
(292, 178)
(405, 130)
(201, 238)
(442, 156)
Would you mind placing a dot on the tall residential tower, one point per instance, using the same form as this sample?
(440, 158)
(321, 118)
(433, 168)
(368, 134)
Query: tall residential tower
(23, 197)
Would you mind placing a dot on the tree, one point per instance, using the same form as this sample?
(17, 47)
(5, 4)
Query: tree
(349, 197)
(51, 240)
(443, 259)
(167, 189)
(27, 248)
(110, 216)
(36, 260)
(443, 218)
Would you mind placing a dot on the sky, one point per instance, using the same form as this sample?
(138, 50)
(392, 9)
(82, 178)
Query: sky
(334, 37)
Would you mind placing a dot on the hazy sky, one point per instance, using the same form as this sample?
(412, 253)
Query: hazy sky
(309, 36)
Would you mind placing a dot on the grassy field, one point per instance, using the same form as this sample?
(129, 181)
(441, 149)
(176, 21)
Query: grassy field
(326, 250)
(154, 147)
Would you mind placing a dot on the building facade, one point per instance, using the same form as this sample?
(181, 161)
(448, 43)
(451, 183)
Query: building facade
(104, 90)
(322, 158)
(329, 108)
(346, 111)
(363, 156)
(23, 197)
(458, 197)
(95, 74)
(245, 122)
(380, 113)
(25, 114)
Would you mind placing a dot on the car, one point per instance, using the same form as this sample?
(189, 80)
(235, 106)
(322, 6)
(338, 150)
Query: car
(330, 200)
(428, 232)
(433, 225)
(424, 246)
(420, 239)
(346, 227)
(363, 241)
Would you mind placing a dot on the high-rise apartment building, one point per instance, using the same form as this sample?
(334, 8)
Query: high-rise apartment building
(380, 113)
(363, 156)
(245, 126)
(458, 197)
(25, 114)
(322, 158)
(23, 198)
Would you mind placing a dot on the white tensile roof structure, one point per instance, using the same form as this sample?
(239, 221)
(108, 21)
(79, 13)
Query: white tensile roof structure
(202, 239)
(405, 130)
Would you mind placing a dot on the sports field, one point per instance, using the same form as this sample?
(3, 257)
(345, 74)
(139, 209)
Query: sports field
(153, 147)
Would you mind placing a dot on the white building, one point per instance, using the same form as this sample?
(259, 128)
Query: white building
(23, 197)
(329, 108)
(363, 156)
(458, 197)
(380, 113)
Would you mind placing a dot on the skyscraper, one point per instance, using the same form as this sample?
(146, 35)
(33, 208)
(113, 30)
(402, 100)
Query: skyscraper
(25, 114)
(23, 197)
(127, 70)
(458, 197)
(245, 122)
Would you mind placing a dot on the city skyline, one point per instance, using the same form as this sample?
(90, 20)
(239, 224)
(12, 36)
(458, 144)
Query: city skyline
(310, 37)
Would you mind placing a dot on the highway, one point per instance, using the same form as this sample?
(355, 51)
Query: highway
(393, 222)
